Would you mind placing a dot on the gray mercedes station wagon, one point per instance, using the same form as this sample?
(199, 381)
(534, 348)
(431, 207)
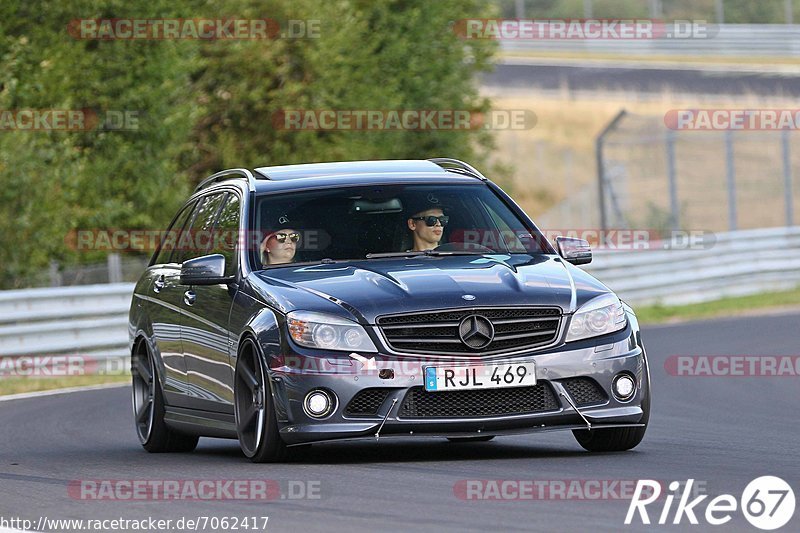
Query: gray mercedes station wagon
(374, 299)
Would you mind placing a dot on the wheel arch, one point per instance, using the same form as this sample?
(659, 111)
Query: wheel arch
(264, 331)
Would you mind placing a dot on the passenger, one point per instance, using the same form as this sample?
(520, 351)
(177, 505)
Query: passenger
(280, 245)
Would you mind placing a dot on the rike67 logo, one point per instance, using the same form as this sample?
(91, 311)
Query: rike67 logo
(767, 502)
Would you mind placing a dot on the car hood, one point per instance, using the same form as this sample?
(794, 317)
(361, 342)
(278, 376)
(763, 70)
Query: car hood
(370, 288)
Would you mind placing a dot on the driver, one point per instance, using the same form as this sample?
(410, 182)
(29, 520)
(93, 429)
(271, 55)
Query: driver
(427, 227)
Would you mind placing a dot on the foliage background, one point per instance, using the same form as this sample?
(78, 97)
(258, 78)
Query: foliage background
(207, 105)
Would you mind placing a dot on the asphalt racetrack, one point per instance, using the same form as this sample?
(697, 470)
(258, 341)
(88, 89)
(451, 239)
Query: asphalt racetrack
(720, 431)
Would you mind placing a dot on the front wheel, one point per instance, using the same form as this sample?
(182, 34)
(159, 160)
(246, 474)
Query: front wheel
(617, 439)
(256, 422)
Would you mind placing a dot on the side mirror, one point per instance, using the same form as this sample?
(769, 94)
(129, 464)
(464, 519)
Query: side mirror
(575, 251)
(205, 270)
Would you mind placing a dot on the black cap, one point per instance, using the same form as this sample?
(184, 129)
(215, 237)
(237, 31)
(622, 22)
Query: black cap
(421, 203)
(282, 221)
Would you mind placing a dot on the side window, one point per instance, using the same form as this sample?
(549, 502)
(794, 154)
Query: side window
(226, 234)
(170, 239)
(197, 241)
(505, 238)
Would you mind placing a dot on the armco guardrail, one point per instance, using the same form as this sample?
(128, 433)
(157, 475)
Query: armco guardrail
(737, 263)
(91, 320)
(88, 320)
(732, 40)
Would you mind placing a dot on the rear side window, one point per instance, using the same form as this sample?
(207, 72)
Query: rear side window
(226, 234)
(195, 241)
(170, 238)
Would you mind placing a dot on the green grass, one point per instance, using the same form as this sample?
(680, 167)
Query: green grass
(17, 385)
(734, 306)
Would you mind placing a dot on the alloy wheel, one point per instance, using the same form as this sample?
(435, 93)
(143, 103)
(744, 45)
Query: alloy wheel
(143, 395)
(250, 391)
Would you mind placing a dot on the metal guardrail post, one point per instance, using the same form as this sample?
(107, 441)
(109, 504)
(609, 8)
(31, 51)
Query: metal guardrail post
(587, 9)
(519, 8)
(730, 166)
(787, 177)
(114, 268)
(55, 275)
(656, 9)
(601, 172)
(674, 208)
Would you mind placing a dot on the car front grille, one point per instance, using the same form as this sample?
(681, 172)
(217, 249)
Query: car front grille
(439, 332)
(418, 403)
(585, 391)
(367, 402)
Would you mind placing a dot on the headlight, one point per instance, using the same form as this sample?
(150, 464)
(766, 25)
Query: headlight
(328, 332)
(598, 316)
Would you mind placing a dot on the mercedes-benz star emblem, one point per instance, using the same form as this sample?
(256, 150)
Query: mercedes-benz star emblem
(476, 331)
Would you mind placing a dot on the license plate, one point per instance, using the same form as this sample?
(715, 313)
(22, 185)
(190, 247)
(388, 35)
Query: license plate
(470, 377)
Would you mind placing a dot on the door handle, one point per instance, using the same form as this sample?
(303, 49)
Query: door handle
(189, 297)
(158, 284)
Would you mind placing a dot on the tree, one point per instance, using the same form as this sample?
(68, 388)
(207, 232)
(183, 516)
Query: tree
(201, 106)
(369, 55)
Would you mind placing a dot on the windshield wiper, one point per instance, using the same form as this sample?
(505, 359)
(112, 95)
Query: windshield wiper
(418, 253)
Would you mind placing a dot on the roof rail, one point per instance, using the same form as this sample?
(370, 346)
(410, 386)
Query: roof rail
(343, 168)
(233, 173)
(455, 165)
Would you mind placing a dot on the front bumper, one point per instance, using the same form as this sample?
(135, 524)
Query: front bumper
(600, 359)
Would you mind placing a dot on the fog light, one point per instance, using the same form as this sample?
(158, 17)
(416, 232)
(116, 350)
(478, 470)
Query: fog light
(624, 387)
(318, 403)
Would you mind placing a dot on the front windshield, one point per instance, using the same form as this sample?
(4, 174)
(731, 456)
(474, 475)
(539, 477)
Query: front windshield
(369, 222)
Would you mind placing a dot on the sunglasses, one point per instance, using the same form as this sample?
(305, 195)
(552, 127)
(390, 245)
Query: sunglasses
(430, 220)
(281, 237)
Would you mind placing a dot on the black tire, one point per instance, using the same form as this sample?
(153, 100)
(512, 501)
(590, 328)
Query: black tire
(483, 438)
(148, 409)
(617, 439)
(256, 421)
(610, 440)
